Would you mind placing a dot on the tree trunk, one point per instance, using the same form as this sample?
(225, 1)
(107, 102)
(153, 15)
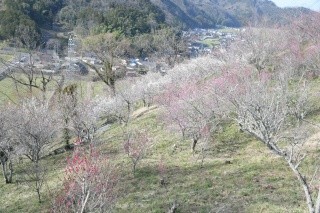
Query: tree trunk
(4, 171)
(37, 170)
(7, 176)
(128, 113)
(39, 195)
(305, 187)
(134, 166)
(113, 88)
(66, 136)
(194, 143)
(318, 202)
(10, 172)
(85, 203)
(134, 169)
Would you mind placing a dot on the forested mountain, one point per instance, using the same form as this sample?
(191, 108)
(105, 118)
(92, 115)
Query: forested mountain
(129, 17)
(22, 19)
(142, 15)
(234, 13)
(126, 17)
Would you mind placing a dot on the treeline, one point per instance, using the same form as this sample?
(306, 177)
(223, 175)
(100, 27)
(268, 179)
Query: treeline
(21, 20)
(40, 11)
(125, 17)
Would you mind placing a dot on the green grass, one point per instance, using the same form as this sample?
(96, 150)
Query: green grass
(229, 30)
(254, 181)
(239, 174)
(10, 93)
(21, 197)
(6, 57)
(211, 42)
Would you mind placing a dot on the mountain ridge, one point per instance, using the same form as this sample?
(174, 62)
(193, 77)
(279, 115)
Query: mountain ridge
(231, 13)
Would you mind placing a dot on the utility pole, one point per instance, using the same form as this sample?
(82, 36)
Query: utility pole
(71, 51)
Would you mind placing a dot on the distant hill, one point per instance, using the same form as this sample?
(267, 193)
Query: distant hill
(25, 19)
(232, 13)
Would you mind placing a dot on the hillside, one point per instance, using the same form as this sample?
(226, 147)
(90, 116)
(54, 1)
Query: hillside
(238, 174)
(232, 131)
(209, 13)
(23, 20)
(235, 129)
(134, 17)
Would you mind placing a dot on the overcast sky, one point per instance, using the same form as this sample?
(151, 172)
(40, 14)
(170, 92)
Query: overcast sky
(312, 4)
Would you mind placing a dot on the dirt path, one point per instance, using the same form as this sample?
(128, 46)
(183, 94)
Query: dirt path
(138, 113)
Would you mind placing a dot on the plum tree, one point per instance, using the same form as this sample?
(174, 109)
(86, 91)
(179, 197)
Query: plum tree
(89, 183)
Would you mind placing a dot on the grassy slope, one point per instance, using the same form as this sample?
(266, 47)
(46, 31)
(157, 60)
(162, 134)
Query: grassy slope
(253, 181)
(239, 174)
(20, 197)
(211, 42)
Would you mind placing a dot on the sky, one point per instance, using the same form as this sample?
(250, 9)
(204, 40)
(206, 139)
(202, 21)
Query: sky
(311, 4)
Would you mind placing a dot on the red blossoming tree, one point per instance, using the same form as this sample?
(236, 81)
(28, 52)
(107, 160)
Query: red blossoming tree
(89, 184)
